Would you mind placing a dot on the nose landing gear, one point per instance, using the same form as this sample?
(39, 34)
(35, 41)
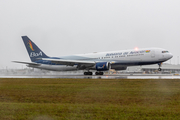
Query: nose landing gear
(160, 64)
(159, 69)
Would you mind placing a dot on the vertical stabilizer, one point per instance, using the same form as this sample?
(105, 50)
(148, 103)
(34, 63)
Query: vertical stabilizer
(33, 50)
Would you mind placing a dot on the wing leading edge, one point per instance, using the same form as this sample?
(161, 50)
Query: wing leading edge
(70, 62)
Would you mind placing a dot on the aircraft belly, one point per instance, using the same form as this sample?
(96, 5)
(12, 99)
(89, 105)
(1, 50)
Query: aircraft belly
(58, 67)
(136, 62)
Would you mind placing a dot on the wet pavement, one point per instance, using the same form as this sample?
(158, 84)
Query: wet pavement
(122, 76)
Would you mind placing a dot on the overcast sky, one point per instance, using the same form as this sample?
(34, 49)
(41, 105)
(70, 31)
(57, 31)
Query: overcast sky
(65, 27)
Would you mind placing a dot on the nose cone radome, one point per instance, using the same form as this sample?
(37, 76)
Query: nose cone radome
(170, 55)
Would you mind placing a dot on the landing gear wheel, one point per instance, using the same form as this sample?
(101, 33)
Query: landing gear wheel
(88, 73)
(99, 73)
(159, 66)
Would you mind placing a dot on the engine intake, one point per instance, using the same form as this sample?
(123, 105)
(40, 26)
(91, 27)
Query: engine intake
(103, 66)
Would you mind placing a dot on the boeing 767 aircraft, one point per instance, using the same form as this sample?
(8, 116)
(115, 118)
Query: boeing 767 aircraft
(100, 61)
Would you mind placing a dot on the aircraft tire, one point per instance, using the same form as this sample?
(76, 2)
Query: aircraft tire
(159, 69)
(101, 73)
(97, 73)
(88, 73)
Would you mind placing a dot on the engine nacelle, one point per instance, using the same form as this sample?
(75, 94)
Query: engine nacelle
(102, 66)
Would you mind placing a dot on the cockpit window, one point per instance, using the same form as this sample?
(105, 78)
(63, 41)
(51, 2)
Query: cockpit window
(165, 52)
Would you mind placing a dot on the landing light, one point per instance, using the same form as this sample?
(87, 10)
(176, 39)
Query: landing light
(136, 48)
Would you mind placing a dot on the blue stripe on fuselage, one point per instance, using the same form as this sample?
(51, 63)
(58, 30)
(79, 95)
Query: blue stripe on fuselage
(137, 63)
(45, 62)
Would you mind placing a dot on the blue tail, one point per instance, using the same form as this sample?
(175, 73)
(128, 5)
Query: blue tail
(33, 50)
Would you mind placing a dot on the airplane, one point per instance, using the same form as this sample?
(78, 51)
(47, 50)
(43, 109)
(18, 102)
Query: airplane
(98, 61)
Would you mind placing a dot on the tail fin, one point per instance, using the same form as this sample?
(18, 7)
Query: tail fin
(33, 50)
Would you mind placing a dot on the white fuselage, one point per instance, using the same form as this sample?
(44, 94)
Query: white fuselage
(117, 59)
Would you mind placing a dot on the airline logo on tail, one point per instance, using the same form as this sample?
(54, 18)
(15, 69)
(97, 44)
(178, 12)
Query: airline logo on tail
(30, 45)
(34, 54)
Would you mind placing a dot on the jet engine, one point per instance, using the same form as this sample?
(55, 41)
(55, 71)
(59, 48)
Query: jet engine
(102, 66)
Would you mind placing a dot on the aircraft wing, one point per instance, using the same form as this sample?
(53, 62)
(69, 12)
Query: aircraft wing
(70, 62)
(28, 63)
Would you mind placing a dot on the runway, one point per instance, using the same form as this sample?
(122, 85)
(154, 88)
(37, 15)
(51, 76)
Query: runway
(121, 76)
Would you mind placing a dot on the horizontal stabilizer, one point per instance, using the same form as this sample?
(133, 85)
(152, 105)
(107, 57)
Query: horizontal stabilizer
(28, 63)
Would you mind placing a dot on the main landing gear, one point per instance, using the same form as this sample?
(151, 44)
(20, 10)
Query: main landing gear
(96, 73)
(88, 73)
(159, 66)
(99, 73)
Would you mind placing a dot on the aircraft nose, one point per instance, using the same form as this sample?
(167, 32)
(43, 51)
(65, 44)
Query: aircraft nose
(170, 55)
